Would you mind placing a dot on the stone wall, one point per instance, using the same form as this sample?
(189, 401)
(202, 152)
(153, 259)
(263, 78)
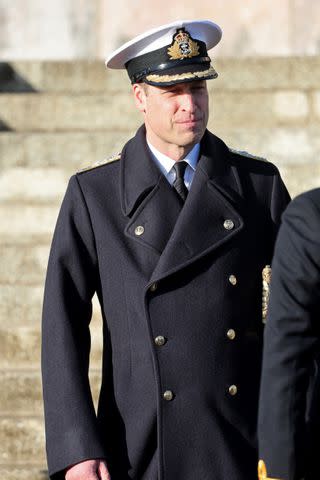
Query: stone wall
(69, 29)
(70, 114)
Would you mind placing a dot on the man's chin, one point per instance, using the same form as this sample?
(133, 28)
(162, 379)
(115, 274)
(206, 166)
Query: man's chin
(190, 137)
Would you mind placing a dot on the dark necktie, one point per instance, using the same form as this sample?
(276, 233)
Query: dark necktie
(178, 184)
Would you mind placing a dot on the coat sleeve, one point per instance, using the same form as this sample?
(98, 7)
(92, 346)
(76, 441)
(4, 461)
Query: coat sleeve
(290, 340)
(70, 420)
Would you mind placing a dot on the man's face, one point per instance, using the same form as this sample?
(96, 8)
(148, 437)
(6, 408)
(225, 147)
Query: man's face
(175, 115)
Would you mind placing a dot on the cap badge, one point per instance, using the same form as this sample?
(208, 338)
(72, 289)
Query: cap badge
(183, 46)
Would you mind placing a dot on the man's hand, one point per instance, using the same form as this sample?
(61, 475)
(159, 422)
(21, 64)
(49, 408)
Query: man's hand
(88, 470)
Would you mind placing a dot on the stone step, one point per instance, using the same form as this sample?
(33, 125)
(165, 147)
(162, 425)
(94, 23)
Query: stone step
(67, 151)
(22, 441)
(23, 265)
(23, 473)
(20, 347)
(234, 73)
(21, 305)
(64, 153)
(26, 224)
(23, 185)
(23, 227)
(71, 76)
(24, 178)
(20, 344)
(59, 112)
(21, 391)
(302, 177)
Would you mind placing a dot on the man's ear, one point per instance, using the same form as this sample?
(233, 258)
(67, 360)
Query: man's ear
(139, 93)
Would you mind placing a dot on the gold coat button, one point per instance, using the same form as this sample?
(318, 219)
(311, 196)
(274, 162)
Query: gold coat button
(231, 334)
(153, 287)
(228, 224)
(160, 340)
(168, 395)
(233, 280)
(233, 390)
(139, 230)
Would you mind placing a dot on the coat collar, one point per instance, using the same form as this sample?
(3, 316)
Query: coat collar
(179, 236)
(138, 174)
(215, 164)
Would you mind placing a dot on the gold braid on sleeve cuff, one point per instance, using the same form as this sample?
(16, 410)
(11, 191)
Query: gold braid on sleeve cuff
(262, 472)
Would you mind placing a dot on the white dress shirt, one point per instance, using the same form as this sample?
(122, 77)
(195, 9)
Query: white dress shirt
(165, 164)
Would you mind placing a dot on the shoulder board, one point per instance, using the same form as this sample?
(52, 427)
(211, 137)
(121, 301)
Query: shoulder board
(114, 158)
(248, 155)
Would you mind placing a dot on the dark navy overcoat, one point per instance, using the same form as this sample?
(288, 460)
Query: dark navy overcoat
(183, 407)
(289, 418)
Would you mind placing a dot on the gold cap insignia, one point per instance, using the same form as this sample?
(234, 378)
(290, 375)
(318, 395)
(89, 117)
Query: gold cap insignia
(266, 279)
(183, 46)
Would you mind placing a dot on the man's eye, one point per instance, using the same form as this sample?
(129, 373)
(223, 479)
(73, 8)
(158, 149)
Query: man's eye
(170, 92)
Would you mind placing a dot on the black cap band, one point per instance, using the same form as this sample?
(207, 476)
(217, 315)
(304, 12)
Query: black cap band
(159, 61)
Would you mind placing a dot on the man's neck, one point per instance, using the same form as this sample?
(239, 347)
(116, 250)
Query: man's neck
(175, 152)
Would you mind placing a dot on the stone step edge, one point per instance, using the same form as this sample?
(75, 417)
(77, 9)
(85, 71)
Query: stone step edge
(88, 74)
(7, 415)
(32, 241)
(24, 466)
(20, 466)
(34, 369)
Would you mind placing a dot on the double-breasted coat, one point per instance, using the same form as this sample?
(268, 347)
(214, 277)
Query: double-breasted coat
(180, 292)
(289, 417)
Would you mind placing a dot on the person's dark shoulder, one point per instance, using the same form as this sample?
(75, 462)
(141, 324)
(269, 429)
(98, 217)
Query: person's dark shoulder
(252, 163)
(108, 168)
(240, 159)
(306, 203)
(310, 196)
(300, 227)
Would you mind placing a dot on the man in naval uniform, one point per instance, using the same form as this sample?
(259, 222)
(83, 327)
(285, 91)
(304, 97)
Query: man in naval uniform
(289, 417)
(172, 235)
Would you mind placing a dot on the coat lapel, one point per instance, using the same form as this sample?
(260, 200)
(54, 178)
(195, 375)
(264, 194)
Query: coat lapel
(215, 197)
(147, 197)
(180, 235)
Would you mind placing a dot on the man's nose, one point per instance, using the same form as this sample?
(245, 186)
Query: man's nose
(188, 102)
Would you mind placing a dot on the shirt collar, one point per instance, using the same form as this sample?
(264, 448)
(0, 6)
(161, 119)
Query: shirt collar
(193, 156)
(166, 163)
